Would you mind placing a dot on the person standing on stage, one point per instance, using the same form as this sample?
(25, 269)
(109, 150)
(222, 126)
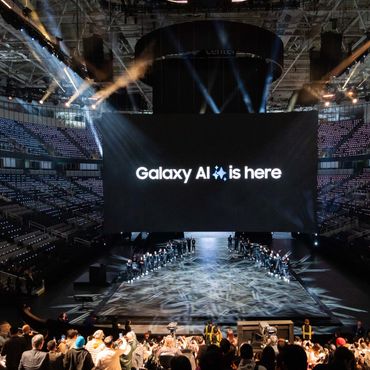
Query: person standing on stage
(307, 332)
(129, 272)
(230, 241)
(193, 245)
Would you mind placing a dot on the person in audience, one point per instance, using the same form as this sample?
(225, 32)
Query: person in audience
(343, 359)
(4, 332)
(180, 363)
(340, 342)
(77, 357)
(55, 357)
(68, 343)
(294, 358)
(211, 359)
(268, 358)
(228, 352)
(169, 347)
(109, 357)
(126, 358)
(27, 335)
(13, 349)
(35, 359)
(246, 359)
(231, 337)
(96, 344)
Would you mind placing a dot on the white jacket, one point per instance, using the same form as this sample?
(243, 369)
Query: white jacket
(108, 358)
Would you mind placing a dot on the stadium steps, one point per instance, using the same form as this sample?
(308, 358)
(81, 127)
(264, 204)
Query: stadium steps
(76, 144)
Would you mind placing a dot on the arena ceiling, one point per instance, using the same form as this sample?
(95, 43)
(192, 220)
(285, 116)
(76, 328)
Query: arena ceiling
(122, 22)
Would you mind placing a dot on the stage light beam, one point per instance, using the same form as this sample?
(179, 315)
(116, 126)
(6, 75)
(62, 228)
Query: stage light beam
(70, 78)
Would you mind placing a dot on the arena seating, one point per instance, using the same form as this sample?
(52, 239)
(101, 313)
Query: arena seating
(20, 139)
(56, 139)
(86, 140)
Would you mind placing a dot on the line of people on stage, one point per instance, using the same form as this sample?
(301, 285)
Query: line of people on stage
(277, 265)
(142, 264)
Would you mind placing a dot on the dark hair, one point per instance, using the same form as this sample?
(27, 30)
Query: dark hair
(268, 358)
(180, 363)
(71, 333)
(225, 345)
(14, 330)
(294, 358)
(211, 359)
(246, 351)
(343, 359)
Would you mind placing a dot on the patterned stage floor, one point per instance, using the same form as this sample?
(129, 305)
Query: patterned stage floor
(212, 283)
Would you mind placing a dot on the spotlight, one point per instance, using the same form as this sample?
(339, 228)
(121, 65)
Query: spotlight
(41, 102)
(315, 243)
(67, 105)
(93, 106)
(354, 100)
(10, 97)
(327, 103)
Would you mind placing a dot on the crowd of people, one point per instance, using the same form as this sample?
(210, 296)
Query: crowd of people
(140, 265)
(23, 349)
(275, 264)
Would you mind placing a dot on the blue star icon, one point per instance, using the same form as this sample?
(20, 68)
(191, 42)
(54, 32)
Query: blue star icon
(222, 174)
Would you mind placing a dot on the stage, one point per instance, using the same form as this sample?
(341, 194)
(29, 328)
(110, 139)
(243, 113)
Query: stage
(213, 283)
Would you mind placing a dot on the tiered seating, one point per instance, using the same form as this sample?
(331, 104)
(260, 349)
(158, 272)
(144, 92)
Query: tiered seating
(93, 184)
(357, 144)
(14, 132)
(56, 140)
(331, 133)
(86, 138)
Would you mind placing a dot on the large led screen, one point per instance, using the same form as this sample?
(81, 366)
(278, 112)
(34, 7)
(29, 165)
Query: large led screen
(252, 172)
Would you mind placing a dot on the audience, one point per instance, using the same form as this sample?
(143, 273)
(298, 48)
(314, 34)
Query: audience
(176, 352)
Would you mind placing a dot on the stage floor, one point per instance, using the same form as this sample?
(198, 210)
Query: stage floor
(213, 283)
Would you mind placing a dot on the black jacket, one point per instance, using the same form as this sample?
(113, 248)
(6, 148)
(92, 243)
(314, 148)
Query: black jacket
(78, 359)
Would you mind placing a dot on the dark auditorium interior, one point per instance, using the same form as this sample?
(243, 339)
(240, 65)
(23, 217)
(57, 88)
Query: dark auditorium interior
(184, 184)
